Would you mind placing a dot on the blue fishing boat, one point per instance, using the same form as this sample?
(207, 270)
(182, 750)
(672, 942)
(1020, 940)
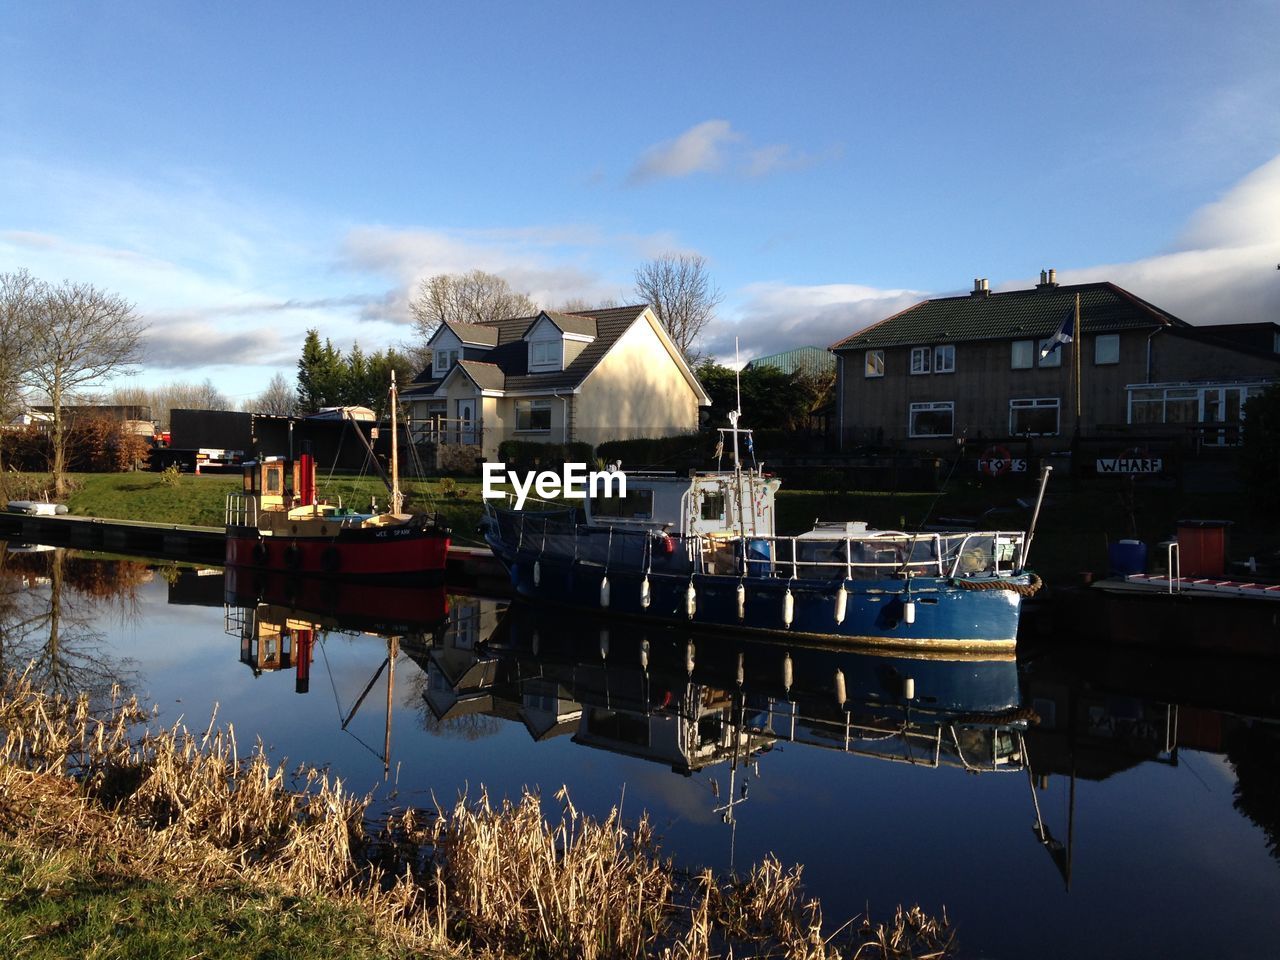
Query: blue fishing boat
(701, 550)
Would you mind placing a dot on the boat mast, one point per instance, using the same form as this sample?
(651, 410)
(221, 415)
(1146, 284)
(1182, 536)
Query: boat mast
(397, 498)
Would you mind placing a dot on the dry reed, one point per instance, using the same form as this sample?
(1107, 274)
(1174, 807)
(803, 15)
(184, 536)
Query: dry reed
(498, 880)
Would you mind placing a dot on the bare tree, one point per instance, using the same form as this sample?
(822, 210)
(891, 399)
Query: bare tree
(280, 398)
(172, 396)
(473, 297)
(83, 336)
(17, 298)
(678, 289)
(580, 305)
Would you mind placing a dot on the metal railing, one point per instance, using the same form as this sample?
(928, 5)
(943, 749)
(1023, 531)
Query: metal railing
(556, 535)
(241, 510)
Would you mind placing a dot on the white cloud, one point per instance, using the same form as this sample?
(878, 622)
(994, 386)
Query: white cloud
(774, 317)
(700, 149)
(1222, 268)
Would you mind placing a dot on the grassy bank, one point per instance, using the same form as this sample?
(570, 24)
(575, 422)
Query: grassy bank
(201, 500)
(124, 841)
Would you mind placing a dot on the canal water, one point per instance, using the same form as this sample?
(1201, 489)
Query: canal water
(1079, 800)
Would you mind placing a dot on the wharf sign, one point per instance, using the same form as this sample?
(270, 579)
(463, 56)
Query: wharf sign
(572, 482)
(1129, 465)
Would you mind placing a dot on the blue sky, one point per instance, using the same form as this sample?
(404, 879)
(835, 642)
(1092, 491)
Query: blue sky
(245, 171)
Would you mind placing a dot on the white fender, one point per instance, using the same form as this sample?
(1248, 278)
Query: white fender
(788, 607)
(742, 600)
(909, 611)
(842, 604)
(644, 594)
(691, 600)
(644, 654)
(537, 572)
(690, 652)
(604, 591)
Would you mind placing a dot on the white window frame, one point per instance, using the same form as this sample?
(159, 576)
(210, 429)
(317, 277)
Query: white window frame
(545, 355)
(1030, 347)
(451, 358)
(1110, 356)
(915, 408)
(526, 408)
(1036, 403)
(944, 358)
(920, 360)
(1051, 359)
(873, 364)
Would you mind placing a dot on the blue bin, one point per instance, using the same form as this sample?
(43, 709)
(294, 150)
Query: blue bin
(1126, 557)
(758, 556)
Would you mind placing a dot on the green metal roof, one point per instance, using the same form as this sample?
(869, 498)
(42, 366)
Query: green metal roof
(1014, 315)
(809, 361)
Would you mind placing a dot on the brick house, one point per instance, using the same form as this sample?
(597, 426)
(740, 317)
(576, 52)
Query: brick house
(975, 367)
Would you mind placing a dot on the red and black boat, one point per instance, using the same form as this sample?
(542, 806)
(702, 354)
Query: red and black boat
(277, 523)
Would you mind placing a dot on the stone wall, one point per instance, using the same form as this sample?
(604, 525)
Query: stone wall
(458, 458)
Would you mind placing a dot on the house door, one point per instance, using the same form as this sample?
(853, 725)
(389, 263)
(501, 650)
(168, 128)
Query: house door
(466, 421)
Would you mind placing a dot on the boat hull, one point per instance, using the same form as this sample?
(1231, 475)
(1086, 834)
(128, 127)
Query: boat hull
(382, 552)
(947, 615)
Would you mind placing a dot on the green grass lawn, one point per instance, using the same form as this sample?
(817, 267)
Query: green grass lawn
(58, 904)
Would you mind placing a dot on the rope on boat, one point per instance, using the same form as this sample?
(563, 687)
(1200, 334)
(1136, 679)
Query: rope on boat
(1023, 589)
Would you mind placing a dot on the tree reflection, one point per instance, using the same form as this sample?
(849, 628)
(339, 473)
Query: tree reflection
(1254, 752)
(49, 604)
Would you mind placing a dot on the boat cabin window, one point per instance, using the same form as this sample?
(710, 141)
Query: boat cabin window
(273, 479)
(636, 505)
(712, 505)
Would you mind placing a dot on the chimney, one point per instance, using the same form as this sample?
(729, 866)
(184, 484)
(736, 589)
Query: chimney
(1048, 280)
(980, 287)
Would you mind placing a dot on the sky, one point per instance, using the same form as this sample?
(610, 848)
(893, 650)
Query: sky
(243, 172)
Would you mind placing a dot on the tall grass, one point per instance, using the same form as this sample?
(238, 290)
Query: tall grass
(476, 877)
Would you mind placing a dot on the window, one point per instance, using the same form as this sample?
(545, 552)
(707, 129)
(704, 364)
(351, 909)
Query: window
(712, 506)
(875, 364)
(1033, 418)
(1106, 348)
(533, 416)
(544, 354)
(1052, 359)
(1022, 354)
(444, 361)
(944, 358)
(637, 504)
(919, 359)
(931, 419)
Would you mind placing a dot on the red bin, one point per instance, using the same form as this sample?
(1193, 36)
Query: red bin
(1202, 547)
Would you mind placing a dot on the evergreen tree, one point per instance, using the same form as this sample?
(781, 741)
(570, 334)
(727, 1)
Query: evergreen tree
(321, 375)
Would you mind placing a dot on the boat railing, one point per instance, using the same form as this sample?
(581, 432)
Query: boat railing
(912, 736)
(241, 510)
(556, 534)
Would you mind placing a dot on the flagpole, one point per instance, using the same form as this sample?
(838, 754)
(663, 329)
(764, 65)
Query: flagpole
(1077, 349)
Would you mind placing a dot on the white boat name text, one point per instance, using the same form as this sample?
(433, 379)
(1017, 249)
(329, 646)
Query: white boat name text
(572, 483)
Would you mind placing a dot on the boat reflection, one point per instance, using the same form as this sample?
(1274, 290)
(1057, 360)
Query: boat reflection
(690, 703)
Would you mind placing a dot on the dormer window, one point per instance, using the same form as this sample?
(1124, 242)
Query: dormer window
(545, 355)
(444, 361)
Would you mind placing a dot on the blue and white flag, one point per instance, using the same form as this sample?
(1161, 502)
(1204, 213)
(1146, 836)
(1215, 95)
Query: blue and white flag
(1064, 334)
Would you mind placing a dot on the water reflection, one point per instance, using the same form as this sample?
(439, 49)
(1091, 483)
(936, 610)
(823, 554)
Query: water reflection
(1148, 779)
(52, 602)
